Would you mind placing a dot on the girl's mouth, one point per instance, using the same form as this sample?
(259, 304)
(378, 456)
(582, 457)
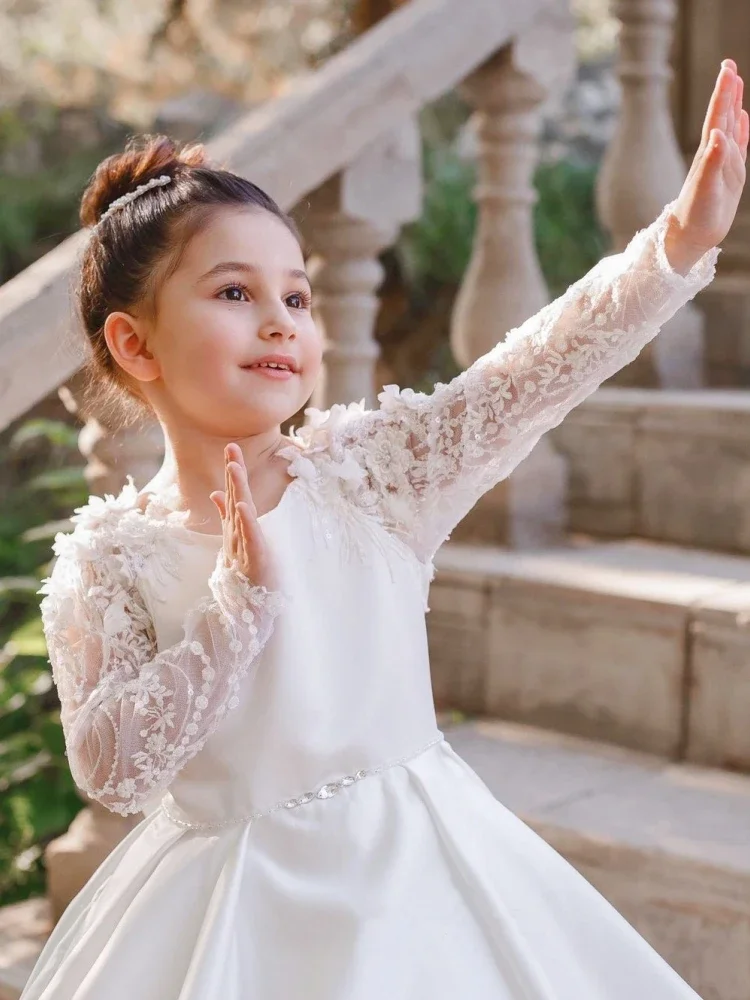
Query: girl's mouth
(272, 371)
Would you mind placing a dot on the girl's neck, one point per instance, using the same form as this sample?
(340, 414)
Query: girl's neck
(196, 465)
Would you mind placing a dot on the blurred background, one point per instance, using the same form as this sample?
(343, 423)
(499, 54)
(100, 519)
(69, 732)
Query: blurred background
(453, 165)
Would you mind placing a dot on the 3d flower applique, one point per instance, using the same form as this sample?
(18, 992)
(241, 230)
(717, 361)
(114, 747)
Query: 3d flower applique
(116, 620)
(302, 468)
(349, 470)
(392, 397)
(329, 420)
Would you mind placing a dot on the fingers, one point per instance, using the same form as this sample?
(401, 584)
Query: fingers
(219, 499)
(243, 544)
(722, 99)
(739, 94)
(242, 484)
(243, 529)
(716, 150)
(232, 510)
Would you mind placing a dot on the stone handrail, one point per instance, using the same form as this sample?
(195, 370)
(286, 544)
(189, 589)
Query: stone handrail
(410, 58)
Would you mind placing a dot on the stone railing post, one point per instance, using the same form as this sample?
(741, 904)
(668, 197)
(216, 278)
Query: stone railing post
(643, 169)
(503, 284)
(347, 222)
(72, 858)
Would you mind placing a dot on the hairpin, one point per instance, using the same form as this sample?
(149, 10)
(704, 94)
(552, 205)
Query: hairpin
(119, 203)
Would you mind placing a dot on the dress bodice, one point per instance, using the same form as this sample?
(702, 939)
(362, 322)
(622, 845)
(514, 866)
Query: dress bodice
(343, 683)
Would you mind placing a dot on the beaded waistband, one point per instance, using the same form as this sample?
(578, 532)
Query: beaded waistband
(326, 791)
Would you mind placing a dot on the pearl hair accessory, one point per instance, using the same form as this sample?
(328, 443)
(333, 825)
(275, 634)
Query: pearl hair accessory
(119, 203)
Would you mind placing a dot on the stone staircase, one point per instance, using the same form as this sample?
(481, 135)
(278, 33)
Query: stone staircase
(636, 643)
(672, 466)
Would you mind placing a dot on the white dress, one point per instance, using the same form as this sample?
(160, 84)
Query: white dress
(309, 833)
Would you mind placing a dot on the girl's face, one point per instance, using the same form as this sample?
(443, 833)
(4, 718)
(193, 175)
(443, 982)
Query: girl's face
(239, 295)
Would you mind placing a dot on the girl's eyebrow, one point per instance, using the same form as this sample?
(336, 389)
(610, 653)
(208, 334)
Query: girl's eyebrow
(233, 266)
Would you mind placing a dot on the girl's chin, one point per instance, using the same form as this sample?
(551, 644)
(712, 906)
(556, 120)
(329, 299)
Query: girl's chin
(276, 401)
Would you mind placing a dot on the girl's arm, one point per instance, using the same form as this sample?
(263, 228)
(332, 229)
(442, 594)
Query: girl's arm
(440, 452)
(434, 455)
(133, 717)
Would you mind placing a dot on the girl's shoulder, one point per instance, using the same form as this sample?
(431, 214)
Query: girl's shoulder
(119, 530)
(131, 525)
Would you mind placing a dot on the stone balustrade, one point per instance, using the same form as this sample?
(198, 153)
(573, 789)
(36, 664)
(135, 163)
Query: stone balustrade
(643, 169)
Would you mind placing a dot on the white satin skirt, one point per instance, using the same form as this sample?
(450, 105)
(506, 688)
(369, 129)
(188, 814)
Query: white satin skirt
(413, 884)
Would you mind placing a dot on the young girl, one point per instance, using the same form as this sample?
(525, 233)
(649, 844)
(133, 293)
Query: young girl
(239, 648)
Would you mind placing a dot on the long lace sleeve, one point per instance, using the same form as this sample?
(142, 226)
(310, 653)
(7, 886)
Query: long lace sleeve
(133, 717)
(436, 454)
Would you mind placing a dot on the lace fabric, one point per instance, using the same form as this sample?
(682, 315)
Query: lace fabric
(133, 717)
(421, 461)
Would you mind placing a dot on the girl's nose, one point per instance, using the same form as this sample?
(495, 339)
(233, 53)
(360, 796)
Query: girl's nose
(279, 328)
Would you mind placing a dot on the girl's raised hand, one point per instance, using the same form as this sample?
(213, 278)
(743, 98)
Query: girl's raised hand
(707, 204)
(243, 538)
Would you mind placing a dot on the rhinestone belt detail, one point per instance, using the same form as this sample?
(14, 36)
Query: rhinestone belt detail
(326, 791)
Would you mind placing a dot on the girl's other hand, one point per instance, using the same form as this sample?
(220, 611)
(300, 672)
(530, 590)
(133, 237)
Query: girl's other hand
(243, 538)
(707, 204)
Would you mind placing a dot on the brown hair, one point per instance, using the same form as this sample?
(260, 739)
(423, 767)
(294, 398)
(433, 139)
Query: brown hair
(139, 245)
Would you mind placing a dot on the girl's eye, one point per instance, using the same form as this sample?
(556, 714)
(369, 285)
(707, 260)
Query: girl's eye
(298, 300)
(230, 288)
(233, 293)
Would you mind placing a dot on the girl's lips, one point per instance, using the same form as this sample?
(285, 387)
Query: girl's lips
(278, 373)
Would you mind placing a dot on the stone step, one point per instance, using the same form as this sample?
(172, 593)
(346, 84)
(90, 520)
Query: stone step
(672, 466)
(632, 643)
(24, 928)
(667, 844)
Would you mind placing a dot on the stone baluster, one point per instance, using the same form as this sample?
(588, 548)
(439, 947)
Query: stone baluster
(72, 858)
(503, 284)
(643, 169)
(347, 222)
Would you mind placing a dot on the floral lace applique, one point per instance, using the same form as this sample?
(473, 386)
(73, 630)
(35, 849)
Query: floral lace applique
(344, 505)
(133, 716)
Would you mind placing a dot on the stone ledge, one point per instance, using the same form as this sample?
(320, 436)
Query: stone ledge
(666, 465)
(617, 642)
(665, 843)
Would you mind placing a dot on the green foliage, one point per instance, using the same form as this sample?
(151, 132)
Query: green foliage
(436, 248)
(37, 793)
(569, 240)
(42, 176)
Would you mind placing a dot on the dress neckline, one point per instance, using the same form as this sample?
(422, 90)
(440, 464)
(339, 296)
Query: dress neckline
(164, 505)
(215, 538)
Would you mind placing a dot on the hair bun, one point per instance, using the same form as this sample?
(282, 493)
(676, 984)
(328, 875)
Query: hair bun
(144, 157)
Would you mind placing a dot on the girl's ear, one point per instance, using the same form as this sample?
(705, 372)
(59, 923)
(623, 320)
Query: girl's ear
(126, 338)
